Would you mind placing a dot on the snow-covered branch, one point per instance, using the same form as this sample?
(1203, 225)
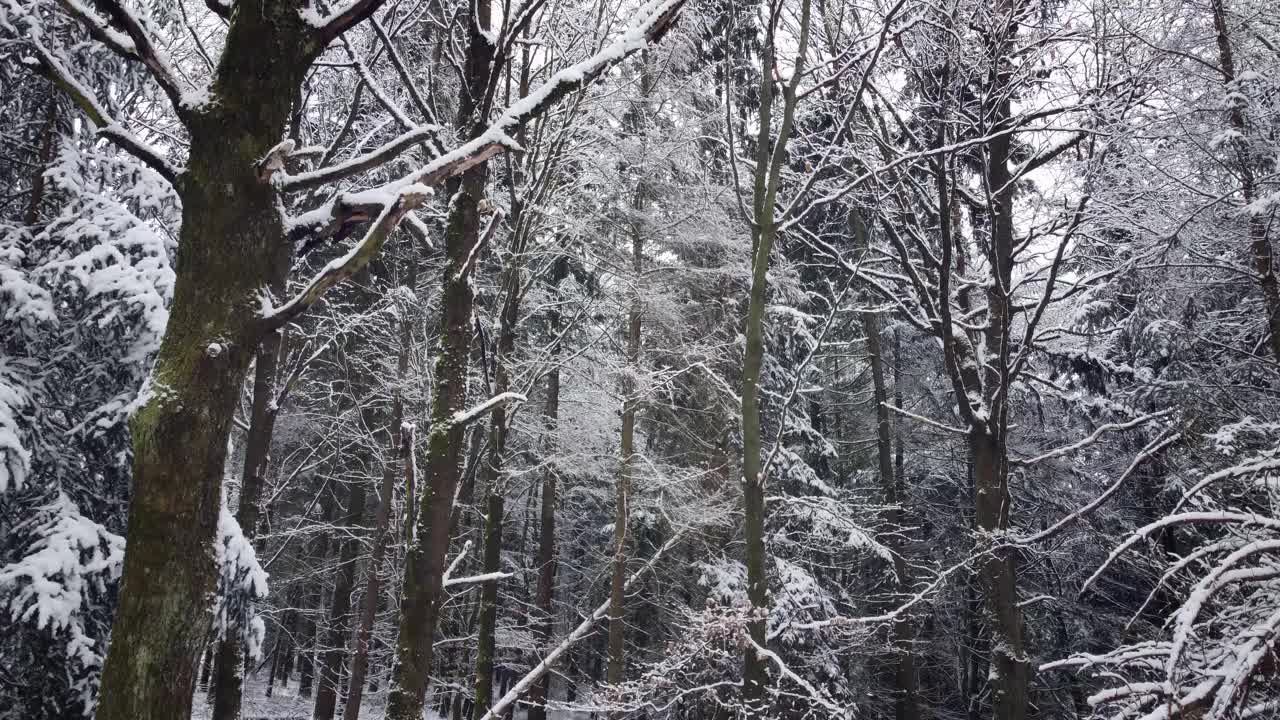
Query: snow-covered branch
(359, 256)
(372, 159)
(106, 126)
(583, 629)
(1093, 437)
(470, 415)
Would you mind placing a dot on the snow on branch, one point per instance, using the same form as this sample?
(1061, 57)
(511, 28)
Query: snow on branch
(152, 57)
(583, 629)
(1147, 452)
(923, 419)
(106, 126)
(1212, 517)
(373, 158)
(359, 256)
(330, 27)
(650, 23)
(466, 417)
(1250, 467)
(448, 573)
(474, 579)
(1093, 437)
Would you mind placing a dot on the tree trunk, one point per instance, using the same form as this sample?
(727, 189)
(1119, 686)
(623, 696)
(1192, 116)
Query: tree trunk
(486, 645)
(48, 137)
(622, 510)
(904, 696)
(313, 601)
(230, 245)
(768, 165)
(400, 441)
(1259, 244)
(330, 672)
(638, 122)
(230, 663)
(495, 486)
(545, 624)
(425, 560)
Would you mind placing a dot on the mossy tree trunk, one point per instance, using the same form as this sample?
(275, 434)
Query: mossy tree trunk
(230, 660)
(228, 251)
(425, 559)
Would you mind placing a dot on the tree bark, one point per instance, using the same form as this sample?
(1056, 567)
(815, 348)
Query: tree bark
(1010, 673)
(228, 250)
(313, 602)
(48, 137)
(230, 662)
(401, 442)
(904, 697)
(495, 486)
(425, 561)
(622, 496)
(330, 672)
(545, 624)
(1259, 244)
(768, 166)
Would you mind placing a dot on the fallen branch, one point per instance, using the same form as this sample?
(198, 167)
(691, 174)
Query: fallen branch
(500, 707)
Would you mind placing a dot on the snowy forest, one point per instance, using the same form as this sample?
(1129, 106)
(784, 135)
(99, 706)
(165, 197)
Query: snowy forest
(639, 359)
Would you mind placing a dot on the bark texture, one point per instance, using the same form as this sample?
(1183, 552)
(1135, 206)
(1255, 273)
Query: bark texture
(227, 252)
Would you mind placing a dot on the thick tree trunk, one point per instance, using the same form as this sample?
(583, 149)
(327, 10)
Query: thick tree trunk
(330, 671)
(229, 248)
(1010, 672)
(425, 560)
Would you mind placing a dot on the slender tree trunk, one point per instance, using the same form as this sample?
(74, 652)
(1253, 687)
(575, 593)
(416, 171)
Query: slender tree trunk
(638, 118)
(48, 137)
(330, 671)
(230, 663)
(486, 645)
(313, 601)
(1259, 244)
(425, 561)
(495, 486)
(545, 624)
(400, 441)
(904, 700)
(622, 497)
(769, 161)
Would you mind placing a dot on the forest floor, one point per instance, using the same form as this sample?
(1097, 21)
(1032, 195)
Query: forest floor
(286, 704)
